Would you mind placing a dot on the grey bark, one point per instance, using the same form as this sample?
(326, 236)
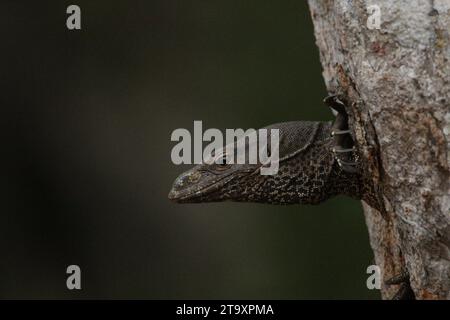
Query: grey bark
(396, 83)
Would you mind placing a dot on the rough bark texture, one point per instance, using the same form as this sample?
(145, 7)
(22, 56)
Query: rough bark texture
(396, 83)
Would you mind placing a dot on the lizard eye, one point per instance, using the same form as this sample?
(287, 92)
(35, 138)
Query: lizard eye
(221, 163)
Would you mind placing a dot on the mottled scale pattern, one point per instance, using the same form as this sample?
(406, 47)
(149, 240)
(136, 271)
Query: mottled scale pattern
(295, 136)
(309, 177)
(308, 173)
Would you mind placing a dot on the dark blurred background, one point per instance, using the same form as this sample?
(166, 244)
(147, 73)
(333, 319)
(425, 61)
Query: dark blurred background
(87, 117)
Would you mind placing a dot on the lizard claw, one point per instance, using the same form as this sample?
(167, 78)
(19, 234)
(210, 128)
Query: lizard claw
(405, 291)
(344, 147)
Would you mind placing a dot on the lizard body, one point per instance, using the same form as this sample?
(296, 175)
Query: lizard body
(317, 160)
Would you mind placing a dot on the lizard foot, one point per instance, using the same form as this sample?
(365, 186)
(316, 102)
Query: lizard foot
(404, 292)
(344, 147)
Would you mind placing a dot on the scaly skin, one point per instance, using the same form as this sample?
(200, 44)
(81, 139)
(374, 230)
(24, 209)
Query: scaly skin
(311, 170)
(308, 173)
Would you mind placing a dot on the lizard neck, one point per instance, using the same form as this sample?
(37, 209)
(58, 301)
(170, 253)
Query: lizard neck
(310, 177)
(345, 183)
(318, 177)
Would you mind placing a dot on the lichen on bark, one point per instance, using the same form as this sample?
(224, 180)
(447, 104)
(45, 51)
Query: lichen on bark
(396, 80)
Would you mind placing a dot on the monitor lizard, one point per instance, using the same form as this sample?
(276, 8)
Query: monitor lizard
(317, 160)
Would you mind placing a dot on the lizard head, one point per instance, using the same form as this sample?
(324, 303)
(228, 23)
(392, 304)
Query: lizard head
(220, 181)
(218, 178)
(212, 182)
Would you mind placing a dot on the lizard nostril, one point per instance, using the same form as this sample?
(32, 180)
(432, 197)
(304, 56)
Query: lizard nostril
(186, 179)
(179, 183)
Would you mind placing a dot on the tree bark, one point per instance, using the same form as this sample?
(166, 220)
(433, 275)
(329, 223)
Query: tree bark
(396, 83)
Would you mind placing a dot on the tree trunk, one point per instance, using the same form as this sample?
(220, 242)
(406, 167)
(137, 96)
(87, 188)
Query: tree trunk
(395, 81)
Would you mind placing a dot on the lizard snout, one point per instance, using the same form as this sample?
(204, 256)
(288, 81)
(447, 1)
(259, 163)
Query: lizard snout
(183, 182)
